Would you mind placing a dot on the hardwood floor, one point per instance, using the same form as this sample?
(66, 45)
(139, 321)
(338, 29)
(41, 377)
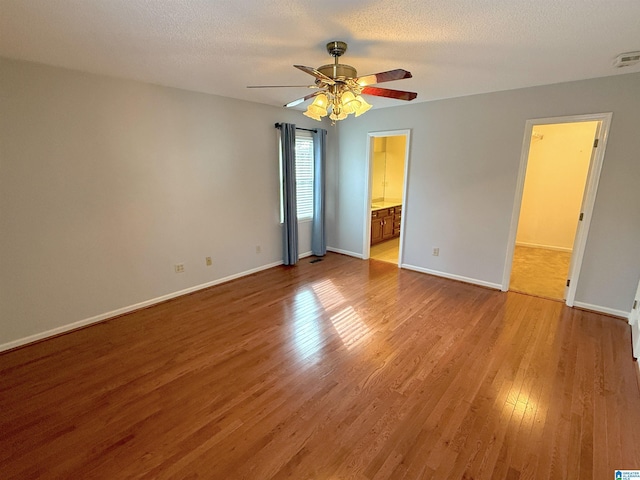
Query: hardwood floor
(338, 369)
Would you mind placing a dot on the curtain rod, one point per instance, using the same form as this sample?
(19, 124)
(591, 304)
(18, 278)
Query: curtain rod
(278, 125)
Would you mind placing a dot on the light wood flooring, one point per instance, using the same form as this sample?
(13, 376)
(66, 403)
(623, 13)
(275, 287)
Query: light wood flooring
(539, 271)
(338, 369)
(386, 251)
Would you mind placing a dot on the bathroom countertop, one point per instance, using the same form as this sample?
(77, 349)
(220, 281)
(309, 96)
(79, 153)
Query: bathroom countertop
(379, 205)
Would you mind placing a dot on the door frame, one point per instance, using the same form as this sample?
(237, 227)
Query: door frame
(366, 240)
(589, 197)
(634, 321)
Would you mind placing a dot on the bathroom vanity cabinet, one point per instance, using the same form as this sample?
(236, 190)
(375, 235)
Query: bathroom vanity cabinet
(385, 223)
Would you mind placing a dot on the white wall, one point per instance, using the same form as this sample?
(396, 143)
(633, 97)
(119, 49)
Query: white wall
(105, 184)
(464, 161)
(557, 169)
(387, 168)
(378, 169)
(394, 175)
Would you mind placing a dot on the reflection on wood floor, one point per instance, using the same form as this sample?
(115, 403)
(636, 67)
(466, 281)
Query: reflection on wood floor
(331, 370)
(386, 251)
(540, 272)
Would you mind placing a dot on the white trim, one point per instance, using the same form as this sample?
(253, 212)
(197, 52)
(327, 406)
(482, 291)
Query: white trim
(121, 311)
(544, 247)
(303, 255)
(345, 252)
(366, 233)
(366, 240)
(588, 202)
(600, 309)
(450, 276)
(634, 322)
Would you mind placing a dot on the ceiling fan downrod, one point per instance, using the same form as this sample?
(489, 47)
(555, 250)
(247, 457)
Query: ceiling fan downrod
(337, 71)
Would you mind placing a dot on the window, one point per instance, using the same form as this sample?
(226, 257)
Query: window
(304, 177)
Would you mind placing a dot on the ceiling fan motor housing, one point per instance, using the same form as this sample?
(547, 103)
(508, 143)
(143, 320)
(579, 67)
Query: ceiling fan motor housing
(338, 71)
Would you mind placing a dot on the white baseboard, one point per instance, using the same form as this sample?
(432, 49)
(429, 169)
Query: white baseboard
(474, 281)
(606, 310)
(545, 247)
(344, 252)
(147, 303)
(121, 311)
(595, 308)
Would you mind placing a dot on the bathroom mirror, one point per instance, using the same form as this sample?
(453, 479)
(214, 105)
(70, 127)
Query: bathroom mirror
(387, 171)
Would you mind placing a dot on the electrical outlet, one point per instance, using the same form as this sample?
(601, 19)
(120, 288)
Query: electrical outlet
(208, 261)
(258, 249)
(436, 251)
(179, 267)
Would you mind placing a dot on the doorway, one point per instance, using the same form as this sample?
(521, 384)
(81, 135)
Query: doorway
(559, 172)
(387, 160)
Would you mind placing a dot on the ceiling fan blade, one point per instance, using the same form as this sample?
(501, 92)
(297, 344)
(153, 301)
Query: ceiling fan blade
(303, 99)
(316, 73)
(385, 92)
(374, 78)
(283, 86)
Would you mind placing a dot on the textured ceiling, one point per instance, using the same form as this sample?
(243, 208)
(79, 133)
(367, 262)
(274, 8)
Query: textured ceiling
(452, 47)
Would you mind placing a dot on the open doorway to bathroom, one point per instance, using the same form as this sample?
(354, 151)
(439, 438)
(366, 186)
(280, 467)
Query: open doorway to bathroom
(387, 168)
(557, 185)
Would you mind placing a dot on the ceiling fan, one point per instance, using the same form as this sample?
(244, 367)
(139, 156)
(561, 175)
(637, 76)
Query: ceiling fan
(340, 89)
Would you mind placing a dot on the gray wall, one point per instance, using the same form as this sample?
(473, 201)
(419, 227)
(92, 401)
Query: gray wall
(105, 184)
(464, 161)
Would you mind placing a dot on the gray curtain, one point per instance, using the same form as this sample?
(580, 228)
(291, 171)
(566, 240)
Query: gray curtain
(290, 223)
(318, 240)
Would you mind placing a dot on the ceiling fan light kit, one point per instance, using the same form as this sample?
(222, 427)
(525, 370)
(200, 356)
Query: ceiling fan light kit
(340, 105)
(340, 89)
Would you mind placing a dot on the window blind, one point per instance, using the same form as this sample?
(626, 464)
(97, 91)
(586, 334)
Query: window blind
(304, 176)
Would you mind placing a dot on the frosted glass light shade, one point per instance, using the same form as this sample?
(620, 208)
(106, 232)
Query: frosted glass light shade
(338, 105)
(312, 114)
(350, 103)
(363, 107)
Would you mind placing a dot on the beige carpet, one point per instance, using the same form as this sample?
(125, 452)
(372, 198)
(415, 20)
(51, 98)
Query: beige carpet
(386, 251)
(540, 272)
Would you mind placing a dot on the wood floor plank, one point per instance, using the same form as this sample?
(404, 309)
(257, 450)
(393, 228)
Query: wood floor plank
(337, 369)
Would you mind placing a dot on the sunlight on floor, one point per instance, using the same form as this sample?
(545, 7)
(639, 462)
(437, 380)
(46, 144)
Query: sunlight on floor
(347, 322)
(328, 294)
(307, 330)
(350, 327)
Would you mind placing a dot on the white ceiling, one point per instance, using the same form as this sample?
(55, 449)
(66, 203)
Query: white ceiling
(452, 47)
